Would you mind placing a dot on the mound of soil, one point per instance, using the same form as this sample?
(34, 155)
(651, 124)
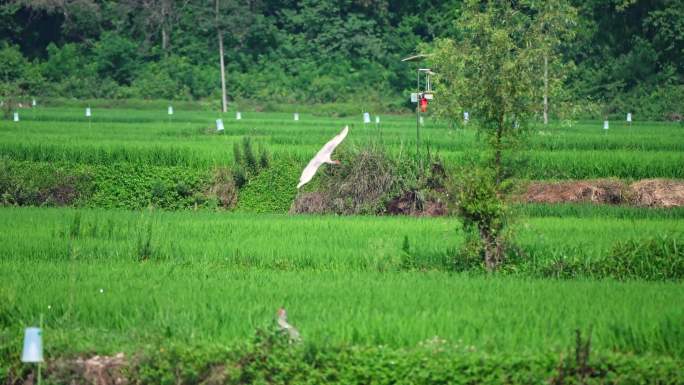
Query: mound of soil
(594, 191)
(657, 193)
(309, 203)
(98, 370)
(410, 203)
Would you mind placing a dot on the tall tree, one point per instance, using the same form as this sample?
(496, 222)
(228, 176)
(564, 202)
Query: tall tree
(556, 22)
(158, 17)
(492, 71)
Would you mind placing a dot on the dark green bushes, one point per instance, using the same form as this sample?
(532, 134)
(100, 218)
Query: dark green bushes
(247, 163)
(119, 185)
(269, 358)
(273, 189)
(40, 184)
(659, 258)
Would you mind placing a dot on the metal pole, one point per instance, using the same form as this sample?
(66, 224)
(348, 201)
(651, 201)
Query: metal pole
(418, 128)
(40, 363)
(418, 112)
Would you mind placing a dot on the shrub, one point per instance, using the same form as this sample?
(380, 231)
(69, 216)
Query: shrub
(269, 358)
(660, 258)
(224, 188)
(359, 185)
(484, 213)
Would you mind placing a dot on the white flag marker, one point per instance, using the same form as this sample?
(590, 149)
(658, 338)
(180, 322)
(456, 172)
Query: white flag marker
(366, 117)
(33, 345)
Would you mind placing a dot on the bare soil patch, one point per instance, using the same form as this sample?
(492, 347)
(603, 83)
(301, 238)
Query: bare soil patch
(643, 193)
(593, 191)
(657, 193)
(98, 370)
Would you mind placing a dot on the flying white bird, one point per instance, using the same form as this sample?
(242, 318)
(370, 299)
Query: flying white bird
(323, 156)
(286, 327)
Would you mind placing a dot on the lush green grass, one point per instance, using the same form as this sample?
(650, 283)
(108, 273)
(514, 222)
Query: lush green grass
(189, 139)
(113, 280)
(106, 306)
(291, 242)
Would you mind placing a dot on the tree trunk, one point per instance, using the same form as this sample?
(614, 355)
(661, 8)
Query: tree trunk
(491, 250)
(497, 150)
(165, 39)
(164, 32)
(223, 68)
(546, 90)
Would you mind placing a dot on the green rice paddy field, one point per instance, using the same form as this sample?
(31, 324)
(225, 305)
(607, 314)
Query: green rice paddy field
(584, 150)
(110, 280)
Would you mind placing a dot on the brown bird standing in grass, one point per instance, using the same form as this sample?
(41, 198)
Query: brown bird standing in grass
(286, 327)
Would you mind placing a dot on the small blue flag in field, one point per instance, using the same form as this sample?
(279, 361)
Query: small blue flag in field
(366, 117)
(33, 345)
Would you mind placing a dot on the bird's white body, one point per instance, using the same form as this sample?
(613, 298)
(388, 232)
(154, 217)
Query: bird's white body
(323, 156)
(292, 332)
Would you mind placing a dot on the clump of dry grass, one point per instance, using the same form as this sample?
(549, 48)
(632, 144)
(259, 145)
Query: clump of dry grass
(359, 185)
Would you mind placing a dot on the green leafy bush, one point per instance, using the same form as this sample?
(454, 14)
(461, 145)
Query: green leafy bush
(269, 358)
(659, 258)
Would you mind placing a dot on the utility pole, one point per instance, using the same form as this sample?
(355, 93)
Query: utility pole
(223, 67)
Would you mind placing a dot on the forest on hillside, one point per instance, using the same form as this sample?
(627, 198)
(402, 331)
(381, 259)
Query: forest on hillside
(626, 55)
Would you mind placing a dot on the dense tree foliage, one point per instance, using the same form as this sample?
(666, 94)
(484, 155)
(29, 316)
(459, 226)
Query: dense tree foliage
(627, 54)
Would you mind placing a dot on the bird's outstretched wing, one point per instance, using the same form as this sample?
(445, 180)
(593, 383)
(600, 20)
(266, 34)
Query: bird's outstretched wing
(309, 171)
(321, 157)
(334, 142)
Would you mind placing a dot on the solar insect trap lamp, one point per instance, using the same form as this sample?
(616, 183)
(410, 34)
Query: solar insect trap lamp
(423, 93)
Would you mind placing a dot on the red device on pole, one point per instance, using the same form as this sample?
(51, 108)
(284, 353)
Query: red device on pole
(423, 104)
